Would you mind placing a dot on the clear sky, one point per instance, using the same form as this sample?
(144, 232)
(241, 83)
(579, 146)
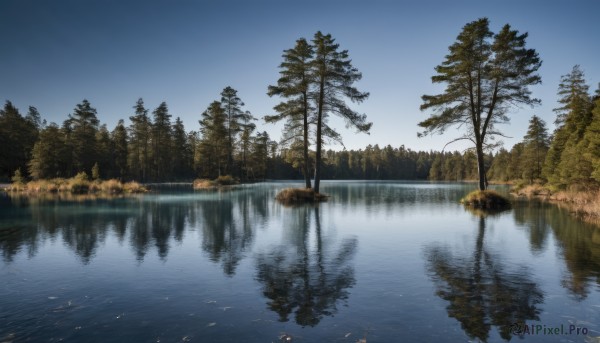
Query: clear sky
(56, 53)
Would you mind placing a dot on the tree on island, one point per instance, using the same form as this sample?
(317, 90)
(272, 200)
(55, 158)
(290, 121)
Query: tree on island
(334, 76)
(294, 85)
(324, 74)
(485, 75)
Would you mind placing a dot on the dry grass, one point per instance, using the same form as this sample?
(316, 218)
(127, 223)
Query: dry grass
(134, 187)
(77, 185)
(290, 196)
(485, 200)
(535, 190)
(218, 183)
(111, 186)
(584, 204)
(204, 184)
(226, 180)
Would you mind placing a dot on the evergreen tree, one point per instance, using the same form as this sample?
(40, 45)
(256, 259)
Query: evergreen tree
(17, 137)
(161, 142)
(573, 117)
(536, 143)
(105, 159)
(34, 117)
(334, 77)
(294, 83)
(83, 124)
(236, 119)
(180, 151)
(484, 77)
(246, 143)
(119, 149)
(592, 138)
(49, 155)
(140, 132)
(214, 144)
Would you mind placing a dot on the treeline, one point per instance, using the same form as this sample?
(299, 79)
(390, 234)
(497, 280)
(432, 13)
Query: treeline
(154, 148)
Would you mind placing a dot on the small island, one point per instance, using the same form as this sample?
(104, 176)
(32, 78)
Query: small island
(79, 184)
(221, 182)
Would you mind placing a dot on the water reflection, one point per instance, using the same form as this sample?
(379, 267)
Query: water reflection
(579, 243)
(306, 278)
(482, 292)
(227, 223)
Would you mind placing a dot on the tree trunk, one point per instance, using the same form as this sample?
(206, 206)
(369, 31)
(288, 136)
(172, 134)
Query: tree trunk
(319, 138)
(305, 167)
(481, 167)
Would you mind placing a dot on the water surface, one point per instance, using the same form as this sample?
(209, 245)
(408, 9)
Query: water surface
(385, 261)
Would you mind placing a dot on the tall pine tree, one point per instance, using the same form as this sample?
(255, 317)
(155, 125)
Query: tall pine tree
(485, 74)
(294, 85)
(334, 77)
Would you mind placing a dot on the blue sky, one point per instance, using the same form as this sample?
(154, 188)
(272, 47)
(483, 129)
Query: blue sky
(56, 53)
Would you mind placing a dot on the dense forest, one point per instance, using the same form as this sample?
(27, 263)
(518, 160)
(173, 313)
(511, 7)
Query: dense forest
(316, 82)
(154, 147)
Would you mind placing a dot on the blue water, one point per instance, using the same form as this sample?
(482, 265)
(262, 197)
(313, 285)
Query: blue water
(381, 261)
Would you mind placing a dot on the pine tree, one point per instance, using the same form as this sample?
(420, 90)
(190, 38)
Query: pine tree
(536, 143)
(49, 155)
(294, 85)
(483, 78)
(180, 151)
(574, 116)
(120, 150)
(592, 138)
(17, 137)
(105, 159)
(334, 77)
(161, 142)
(214, 144)
(236, 119)
(83, 125)
(140, 132)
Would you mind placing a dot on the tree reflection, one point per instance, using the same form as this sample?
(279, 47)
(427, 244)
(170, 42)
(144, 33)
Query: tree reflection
(228, 226)
(532, 215)
(481, 291)
(309, 279)
(579, 243)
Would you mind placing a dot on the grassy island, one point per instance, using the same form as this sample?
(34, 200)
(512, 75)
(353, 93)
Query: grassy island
(77, 185)
(221, 182)
(293, 196)
(485, 200)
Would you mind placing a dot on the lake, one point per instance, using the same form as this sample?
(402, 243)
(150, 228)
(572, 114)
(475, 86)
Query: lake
(381, 261)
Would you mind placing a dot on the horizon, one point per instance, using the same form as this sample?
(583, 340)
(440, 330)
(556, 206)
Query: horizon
(184, 53)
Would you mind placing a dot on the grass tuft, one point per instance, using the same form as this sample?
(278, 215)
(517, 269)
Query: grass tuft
(291, 196)
(485, 200)
(134, 187)
(221, 181)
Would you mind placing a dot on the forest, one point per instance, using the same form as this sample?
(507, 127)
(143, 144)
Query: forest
(316, 80)
(155, 148)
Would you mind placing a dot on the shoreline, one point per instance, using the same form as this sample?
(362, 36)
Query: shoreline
(584, 205)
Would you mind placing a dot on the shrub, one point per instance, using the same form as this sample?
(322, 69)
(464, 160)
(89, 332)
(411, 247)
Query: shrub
(487, 199)
(204, 184)
(112, 186)
(290, 196)
(134, 187)
(225, 180)
(79, 184)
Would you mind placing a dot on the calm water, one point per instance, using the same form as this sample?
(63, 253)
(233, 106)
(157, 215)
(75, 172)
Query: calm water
(389, 262)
